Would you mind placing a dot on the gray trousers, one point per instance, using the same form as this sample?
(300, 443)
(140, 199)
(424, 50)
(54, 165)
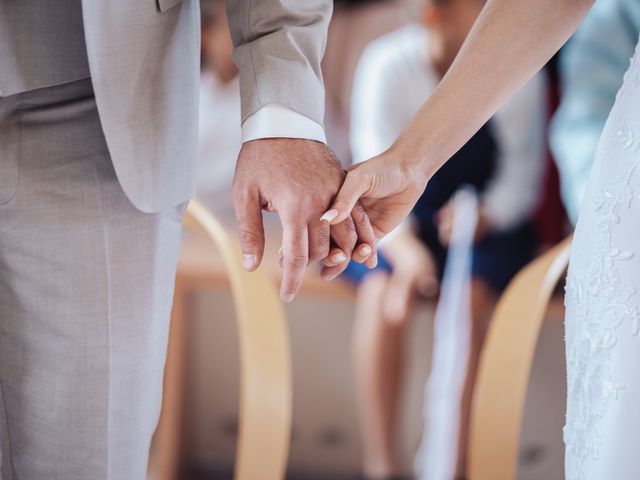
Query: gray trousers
(86, 284)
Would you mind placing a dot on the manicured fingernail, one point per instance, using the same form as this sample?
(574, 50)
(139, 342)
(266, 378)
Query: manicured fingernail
(339, 257)
(249, 261)
(329, 276)
(287, 297)
(329, 215)
(365, 250)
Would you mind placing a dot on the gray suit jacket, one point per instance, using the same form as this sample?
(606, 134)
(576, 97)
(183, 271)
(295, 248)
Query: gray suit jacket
(144, 63)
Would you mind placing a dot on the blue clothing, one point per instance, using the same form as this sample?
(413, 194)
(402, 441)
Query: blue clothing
(496, 258)
(592, 65)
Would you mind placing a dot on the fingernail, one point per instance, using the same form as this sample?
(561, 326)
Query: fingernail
(365, 250)
(329, 215)
(287, 297)
(339, 257)
(329, 277)
(334, 276)
(249, 261)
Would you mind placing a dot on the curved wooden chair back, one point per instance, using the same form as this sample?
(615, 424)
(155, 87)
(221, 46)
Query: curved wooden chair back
(265, 364)
(505, 364)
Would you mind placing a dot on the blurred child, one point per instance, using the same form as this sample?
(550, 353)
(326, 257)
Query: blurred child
(219, 141)
(503, 161)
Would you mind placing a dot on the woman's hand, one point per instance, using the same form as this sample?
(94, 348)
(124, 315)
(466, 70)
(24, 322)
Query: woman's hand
(509, 42)
(387, 186)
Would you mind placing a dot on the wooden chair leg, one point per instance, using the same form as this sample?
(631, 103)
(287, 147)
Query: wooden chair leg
(167, 442)
(265, 364)
(505, 364)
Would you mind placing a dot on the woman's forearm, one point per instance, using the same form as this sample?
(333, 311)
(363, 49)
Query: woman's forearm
(509, 43)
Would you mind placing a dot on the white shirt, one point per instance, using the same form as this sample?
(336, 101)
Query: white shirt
(392, 81)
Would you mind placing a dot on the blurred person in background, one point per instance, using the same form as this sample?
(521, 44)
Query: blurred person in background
(219, 138)
(504, 161)
(508, 44)
(354, 24)
(591, 68)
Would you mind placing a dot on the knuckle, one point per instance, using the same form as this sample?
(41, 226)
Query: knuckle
(349, 225)
(360, 216)
(346, 238)
(294, 213)
(289, 199)
(311, 204)
(248, 238)
(350, 234)
(236, 194)
(320, 251)
(296, 261)
(322, 238)
(237, 186)
(239, 194)
(352, 237)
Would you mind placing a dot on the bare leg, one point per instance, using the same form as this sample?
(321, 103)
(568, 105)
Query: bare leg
(483, 300)
(378, 367)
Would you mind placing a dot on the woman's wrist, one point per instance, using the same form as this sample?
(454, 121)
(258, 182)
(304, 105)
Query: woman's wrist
(425, 143)
(416, 158)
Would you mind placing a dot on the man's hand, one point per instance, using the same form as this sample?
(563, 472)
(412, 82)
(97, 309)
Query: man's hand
(298, 179)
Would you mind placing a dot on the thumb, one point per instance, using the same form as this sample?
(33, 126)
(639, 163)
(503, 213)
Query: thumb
(250, 230)
(352, 189)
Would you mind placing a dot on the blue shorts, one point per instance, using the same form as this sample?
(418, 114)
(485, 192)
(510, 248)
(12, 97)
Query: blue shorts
(496, 257)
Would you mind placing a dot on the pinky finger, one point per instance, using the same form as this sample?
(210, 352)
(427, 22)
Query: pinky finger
(366, 252)
(330, 273)
(336, 257)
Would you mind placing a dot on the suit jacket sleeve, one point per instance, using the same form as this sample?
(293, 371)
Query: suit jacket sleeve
(278, 47)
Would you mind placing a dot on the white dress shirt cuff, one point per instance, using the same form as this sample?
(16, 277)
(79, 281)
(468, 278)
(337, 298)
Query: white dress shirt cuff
(274, 120)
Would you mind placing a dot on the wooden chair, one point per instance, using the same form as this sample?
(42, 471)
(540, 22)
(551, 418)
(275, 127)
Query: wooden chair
(265, 364)
(505, 365)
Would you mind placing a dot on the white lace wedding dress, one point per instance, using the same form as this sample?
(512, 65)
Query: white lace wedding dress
(602, 433)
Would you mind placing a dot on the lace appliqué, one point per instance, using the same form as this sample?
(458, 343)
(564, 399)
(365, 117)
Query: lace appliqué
(601, 302)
